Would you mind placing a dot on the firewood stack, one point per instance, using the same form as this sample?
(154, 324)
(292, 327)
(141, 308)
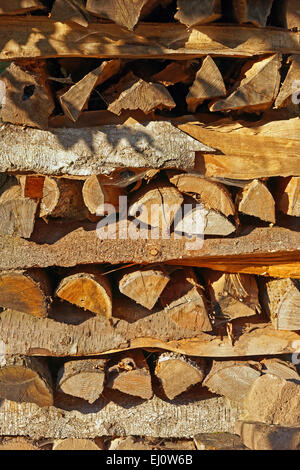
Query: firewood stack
(149, 234)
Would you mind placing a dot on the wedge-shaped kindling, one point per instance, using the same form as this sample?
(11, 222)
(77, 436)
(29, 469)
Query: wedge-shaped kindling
(252, 11)
(26, 291)
(281, 300)
(123, 12)
(257, 89)
(208, 84)
(129, 373)
(28, 99)
(183, 299)
(82, 378)
(288, 200)
(134, 93)
(75, 100)
(177, 373)
(256, 200)
(292, 14)
(232, 295)
(88, 288)
(70, 10)
(144, 285)
(290, 89)
(192, 12)
(97, 192)
(175, 72)
(201, 221)
(232, 379)
(26, 379)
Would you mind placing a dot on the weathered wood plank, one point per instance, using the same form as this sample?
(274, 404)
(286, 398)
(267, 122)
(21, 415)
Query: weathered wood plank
(41, 37)
(261, 250)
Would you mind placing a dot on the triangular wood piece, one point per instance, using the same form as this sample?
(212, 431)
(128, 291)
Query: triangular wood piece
(257, 201)
(123, 12)
(193, 12)
(70, 10)
(252, 11)
(289, 198)
(290, 89)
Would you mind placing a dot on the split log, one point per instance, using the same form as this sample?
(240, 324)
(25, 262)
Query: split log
(143, 285)
(232, 295)
(97, 192)
(18, 7)
(232, 379)
(178, 373)
(158, 40)
(200, 221)
(175, 72)
(124, 13)
(26, 379)
(273, 400)
(208, 83)
(292, 14)
(209, 193)
(289, 199)
(88, 288)
(260, 436)
(83, 378)
(256, 200)
(26, 291)
(218, 441)
(285, 370)
(252, 11)
(290, 89)
(75, 100)
(17, 213)
(28, 99)
(17, 443)
(76, 444)
(192, 12)
(32, 186)
(68, 10)
(156, 205)
(130, 374)
(184, 299)
(257, 89)
(90, 151)
(153, 418)
(134, 93)
(281, 300)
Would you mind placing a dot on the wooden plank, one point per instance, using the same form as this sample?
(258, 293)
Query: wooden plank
(88, 336)
(153, 418)
(263, 250)
(40, 37)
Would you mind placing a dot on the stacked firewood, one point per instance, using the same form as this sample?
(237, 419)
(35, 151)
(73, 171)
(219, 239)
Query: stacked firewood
(149, 224)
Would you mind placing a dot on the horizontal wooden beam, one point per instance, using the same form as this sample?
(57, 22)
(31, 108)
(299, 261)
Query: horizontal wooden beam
(91, 335)
(39, 37)
(185, 417)
(261, 250)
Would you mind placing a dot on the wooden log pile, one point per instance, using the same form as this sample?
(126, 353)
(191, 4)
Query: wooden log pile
(149, 225)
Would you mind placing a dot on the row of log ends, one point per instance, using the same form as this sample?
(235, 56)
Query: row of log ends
(158, 204)
(177, 290)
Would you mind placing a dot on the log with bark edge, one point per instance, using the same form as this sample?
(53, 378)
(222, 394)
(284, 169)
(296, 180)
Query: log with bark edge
(208, 84)
(143, 285)
(232, 295)
(192, 12)
(252, 11)
(82, 378)
(26, 291)
(26, 379)
(129, 373)
(178, 373)
(183, 298)
(17, 7)
(290, 88)
(258, 88)
(232, 379)
(68, 10)
(123, 12)
(175, 72)
(261, 436)
(280, 298)
(134, 93)
(156, 205)
(256, 200)
(211, 194)
(97, 192)
(75, 99)
(288, 200)
(77, 444)
(292, 14)
(17, 213)
(28, 99)
(88, 288)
